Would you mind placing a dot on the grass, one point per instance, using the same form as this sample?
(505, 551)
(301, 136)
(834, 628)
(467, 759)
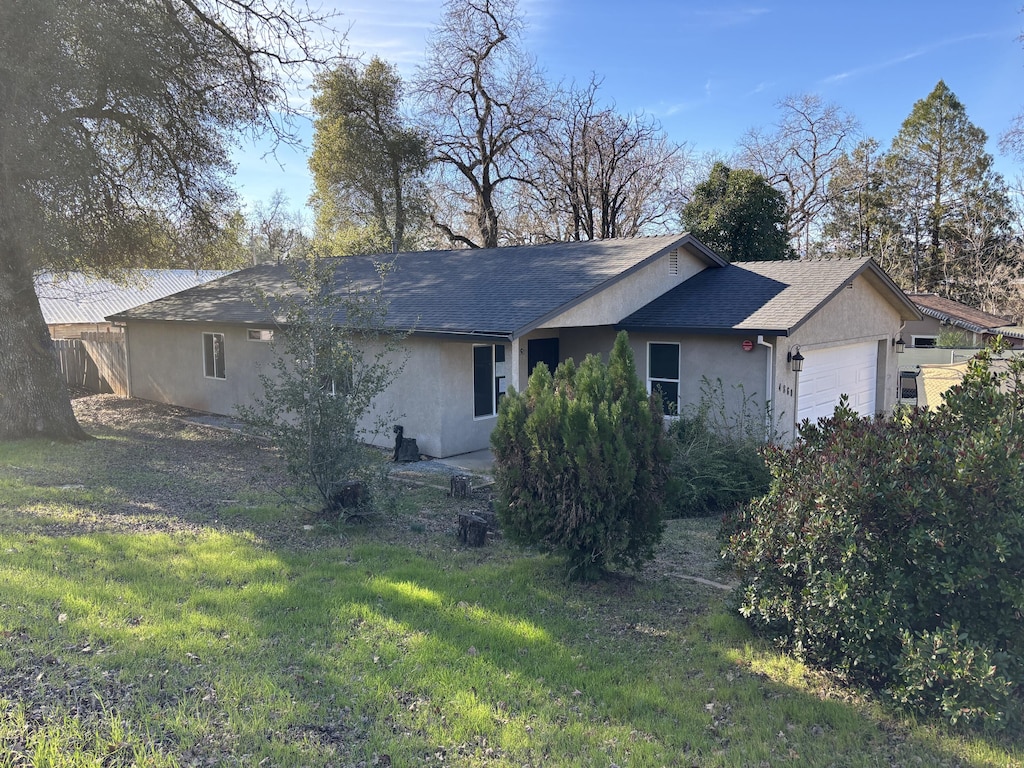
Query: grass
(212, 644)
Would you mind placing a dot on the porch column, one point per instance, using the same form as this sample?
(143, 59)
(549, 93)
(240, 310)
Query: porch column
(517, 364)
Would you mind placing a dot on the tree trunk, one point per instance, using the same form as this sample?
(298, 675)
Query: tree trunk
(34, 400)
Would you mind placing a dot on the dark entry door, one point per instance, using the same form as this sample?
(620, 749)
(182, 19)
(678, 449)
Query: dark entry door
(542, 351)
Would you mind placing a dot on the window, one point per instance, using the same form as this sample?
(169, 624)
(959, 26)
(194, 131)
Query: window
(924, 341)
(260, 334)
(213, 355)
(663, 374)
(488, 378)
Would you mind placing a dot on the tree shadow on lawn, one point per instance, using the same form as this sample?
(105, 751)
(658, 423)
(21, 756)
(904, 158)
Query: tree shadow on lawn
(373, 650)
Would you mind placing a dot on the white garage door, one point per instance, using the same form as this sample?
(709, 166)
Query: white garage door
(833, 371)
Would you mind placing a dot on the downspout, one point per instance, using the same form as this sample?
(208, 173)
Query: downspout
(769, 385)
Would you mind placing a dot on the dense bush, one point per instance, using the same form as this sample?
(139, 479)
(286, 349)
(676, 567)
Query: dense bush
(716, 462)
(580, 463)
(893, 550)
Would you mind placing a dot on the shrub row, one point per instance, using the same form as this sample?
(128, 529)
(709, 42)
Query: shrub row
(893, 549)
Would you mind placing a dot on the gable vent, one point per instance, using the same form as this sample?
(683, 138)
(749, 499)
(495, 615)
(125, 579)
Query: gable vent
(673, 263)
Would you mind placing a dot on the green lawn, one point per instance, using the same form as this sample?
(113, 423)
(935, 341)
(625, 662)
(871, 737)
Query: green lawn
(200, 625)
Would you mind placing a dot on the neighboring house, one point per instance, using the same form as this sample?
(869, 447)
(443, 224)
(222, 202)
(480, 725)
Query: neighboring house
(75, 303)
(90, 351)
(974, 327)
(480, 320)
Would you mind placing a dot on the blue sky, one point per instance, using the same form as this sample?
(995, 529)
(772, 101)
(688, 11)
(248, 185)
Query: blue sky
(708, 70)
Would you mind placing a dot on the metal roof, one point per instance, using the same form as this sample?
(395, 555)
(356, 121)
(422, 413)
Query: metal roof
(79, 298)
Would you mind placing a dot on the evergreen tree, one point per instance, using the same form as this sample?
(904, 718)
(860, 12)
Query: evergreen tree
(952, 207)
(580, 463)
(740, 215)
(367, 162)
(859, 221)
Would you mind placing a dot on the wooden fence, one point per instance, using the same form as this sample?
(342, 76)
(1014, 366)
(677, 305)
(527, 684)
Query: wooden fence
(97, 362)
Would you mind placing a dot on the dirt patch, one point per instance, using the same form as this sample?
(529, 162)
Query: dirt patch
(160, 468)
(170, 469)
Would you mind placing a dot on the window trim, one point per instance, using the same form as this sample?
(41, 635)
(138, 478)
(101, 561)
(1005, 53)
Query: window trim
(933, 339)
(261, 335)
(212, 335)
(652, 381)
(498, 383)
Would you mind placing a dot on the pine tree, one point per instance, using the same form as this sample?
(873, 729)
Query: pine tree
(580, 464)
(952, 207)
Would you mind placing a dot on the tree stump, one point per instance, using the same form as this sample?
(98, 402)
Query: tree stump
(350, 496)
(472, 529)
(461, 487)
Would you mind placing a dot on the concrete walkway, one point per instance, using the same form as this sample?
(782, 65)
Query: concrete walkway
(477, 462)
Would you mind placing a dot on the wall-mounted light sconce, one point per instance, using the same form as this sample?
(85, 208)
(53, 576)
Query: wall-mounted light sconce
(899, 344)
(795, 359)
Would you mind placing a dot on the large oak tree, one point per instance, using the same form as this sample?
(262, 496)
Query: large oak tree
(116, 121)
(483, 103)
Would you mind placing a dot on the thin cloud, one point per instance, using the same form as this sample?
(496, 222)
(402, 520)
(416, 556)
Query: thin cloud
(868, 69)
(728, 17)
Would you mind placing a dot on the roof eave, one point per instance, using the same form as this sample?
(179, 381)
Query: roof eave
(703, 330)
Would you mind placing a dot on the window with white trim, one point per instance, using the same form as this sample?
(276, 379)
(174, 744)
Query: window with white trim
(926, 342)
(663, 374)
(260, 334)
(213, 355)
(489, 381)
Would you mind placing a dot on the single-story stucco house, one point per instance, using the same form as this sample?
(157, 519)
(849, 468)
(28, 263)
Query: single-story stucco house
(479, 321)
(974, 327)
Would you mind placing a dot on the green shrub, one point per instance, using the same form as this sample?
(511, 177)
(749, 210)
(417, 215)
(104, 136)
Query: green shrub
(580, 464)
(333, 355)
(893, 550)
(716, 462)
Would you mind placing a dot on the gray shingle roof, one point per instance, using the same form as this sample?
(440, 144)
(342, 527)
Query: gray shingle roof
(766, 297)
(77, 298)
(498, 292)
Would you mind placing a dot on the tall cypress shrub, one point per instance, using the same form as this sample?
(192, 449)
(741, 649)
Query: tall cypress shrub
(580, 464)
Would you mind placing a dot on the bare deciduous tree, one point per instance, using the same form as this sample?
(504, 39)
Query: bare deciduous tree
(604, 174)
(798, 156)
(483, 102)
(275, 231)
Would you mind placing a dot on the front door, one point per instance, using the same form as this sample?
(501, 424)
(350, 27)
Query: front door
(542, 351)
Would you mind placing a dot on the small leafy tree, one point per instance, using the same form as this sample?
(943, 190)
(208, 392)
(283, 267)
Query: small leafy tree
(893, 550)
(580, 464)
(334, 355)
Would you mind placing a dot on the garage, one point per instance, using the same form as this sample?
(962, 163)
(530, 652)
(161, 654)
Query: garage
(833, 371)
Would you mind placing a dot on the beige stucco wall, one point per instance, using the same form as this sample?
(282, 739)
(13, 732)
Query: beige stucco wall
(856, 314)
(736, 380)
(630, 293)
(166, 365)
(432, 398)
